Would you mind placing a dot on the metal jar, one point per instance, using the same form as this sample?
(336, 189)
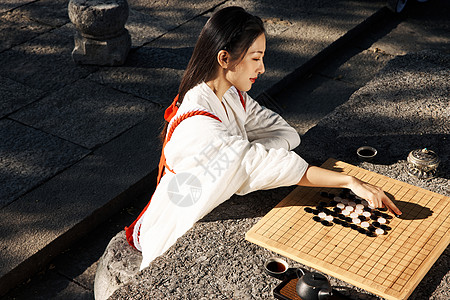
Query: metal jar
(423, 163)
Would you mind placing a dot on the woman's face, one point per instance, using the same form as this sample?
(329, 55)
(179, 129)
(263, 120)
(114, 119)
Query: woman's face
(246, 72)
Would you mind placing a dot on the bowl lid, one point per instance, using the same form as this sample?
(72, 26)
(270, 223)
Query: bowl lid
(423, 157)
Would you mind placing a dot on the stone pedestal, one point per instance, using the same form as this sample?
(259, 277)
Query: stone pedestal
(118, 265)
(101, 37)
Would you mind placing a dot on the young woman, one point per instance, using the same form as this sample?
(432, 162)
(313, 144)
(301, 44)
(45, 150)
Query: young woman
(218, 141)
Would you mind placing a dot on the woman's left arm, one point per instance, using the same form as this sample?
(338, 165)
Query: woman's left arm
(268, 128)
(319, 177)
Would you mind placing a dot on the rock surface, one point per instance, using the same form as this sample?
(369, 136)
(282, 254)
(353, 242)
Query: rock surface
(116, 267)
(214, 261)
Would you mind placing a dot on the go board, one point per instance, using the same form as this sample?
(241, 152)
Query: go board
(389, 265)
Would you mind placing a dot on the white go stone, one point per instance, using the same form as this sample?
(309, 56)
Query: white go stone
(322, 215)
(379, 231)
(365, 224)
(351, 203)
(340, 205)
(381, 220)
(366, 214)
(359, 211)
(345, 201)
(354, 215)
(337, 199)
(349, 208)
(356, 220)
(329, 218)
(359, 206)
(345, 212)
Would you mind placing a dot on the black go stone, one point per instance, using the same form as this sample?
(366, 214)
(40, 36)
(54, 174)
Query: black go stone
(373, 217)
(371, 234)
(377, 213)
(308, 209)
(317, 219)
(315, 211)
(341, 216)
(322, 203)
(376, 224)
(337, 221)
(353, 198)
(382, 208)
(331, 196)
(361, 230)
(371, 228)
(324, 194)
(386, 216)
(354, 226)
(345, 224)
(385, 227)
(362, 218)
(367, 209)
(327, 211)
(332, 203)
(348, 219)
(334, 214)
(337, 210)
(326, 223)
(343, 195)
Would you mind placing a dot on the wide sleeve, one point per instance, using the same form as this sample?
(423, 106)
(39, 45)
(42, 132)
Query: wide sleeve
(209, 165)
(268, 128)
(204, 145)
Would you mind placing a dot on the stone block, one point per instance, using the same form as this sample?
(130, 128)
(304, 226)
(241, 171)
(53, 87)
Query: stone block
(109, 52)
(76, 114)
(29, 157)
(15, 95)
(102, 38)
(117, 267)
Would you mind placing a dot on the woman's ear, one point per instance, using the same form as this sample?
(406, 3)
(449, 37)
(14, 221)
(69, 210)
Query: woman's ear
(223, 58)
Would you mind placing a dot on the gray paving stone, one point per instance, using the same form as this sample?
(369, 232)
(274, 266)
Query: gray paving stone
(15, 95)
(16, 28)
(75, 114)
(58, 287)
(12, 4)
(304, 108)
(178, 12)
(359, 69)
(83, 193)
(29, 157)
(44, 62)
(144, 28)
(49, 12)
(425, 26)
(150, 73)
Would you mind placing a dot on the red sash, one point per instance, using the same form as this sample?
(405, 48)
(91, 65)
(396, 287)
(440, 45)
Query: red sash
(170, 112)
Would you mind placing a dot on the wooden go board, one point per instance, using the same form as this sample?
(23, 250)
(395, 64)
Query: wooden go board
(389, 265)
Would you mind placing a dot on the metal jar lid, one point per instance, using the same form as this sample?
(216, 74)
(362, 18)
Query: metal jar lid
(423, 163)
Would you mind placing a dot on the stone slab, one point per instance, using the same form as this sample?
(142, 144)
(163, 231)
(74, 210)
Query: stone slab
(425, 25)
(304, 108)
(58, 287)
(44, 62)
(88, 119)
(144, 28)
(212, 260)
(77, 200)
(178, 12)
(152, 74)
(29, 157)
(49, 12)
(16, 28)
(356, 66)
(9, 5)
(15, 95)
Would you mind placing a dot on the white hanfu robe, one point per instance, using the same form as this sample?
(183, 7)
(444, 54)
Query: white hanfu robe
(247, 150)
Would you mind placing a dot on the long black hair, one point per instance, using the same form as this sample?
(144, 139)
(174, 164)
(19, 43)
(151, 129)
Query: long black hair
(231, 29)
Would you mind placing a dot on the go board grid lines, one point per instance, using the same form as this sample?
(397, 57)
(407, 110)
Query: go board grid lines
(391, 264)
